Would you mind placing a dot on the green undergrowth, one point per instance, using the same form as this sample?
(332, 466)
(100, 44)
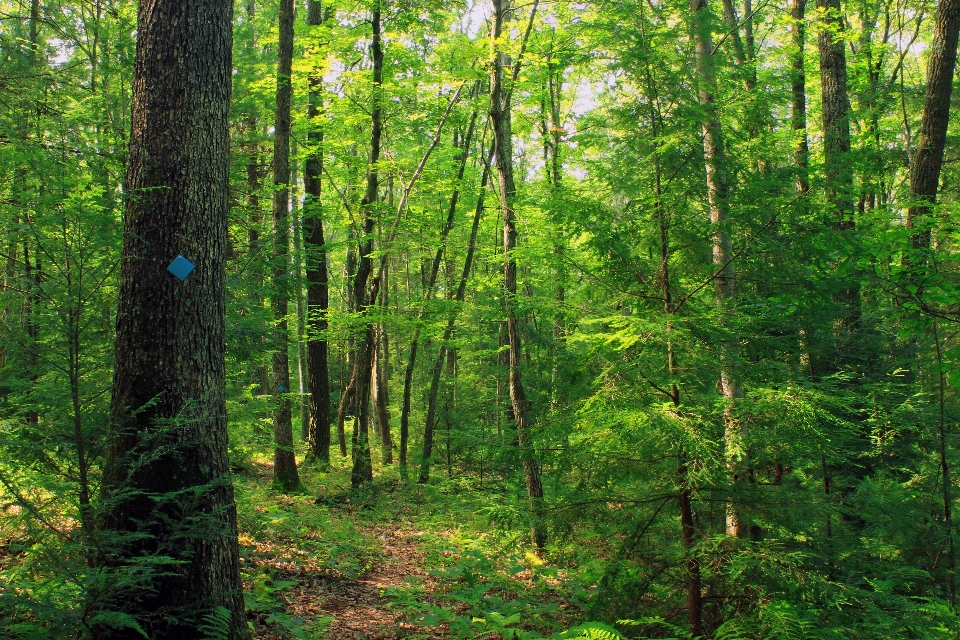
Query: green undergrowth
(482, 579)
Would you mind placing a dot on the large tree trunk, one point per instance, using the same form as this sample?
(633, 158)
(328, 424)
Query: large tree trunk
(836, 149)
(284, 462)
(166, 472)
(318, 293)
(925, 173)
(500, 118)
(714, 158)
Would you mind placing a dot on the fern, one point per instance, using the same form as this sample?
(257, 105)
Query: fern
(593, 631)
(116, 620)
(784, 621)
(216, 624)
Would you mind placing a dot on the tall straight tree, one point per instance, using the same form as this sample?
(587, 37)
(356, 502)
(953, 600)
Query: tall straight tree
(725, 277)
(363, 356)
(318, 292)
(500, 118)
(166, 479)
(928, 159)
(798, 89)
(284, 463)
(835, 107)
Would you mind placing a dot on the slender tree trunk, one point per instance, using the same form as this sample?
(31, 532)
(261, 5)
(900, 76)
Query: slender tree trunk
(718, 189)
(945, 464)
(318, 293)
(363, 355)
(284, 462)
(798, 86)
(928, 158)
(167, 457)
(298, 261)
(437, 369)
(379, 377)
(434, 270)
(500, 118)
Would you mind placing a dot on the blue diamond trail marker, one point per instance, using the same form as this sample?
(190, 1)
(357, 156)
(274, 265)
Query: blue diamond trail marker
(281, 388)
(180, 267)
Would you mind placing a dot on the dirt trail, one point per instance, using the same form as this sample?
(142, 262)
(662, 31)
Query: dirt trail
(358, 609)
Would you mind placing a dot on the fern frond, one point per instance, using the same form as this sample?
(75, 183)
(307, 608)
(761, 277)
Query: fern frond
(216, 624)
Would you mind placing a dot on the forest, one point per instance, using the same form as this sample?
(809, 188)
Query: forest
(363, 319)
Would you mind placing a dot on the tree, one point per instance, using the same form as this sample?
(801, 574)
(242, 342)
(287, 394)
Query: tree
(318, 290)
(284, 460)
(928, 158)
(501, 81)
(725, 277)
(166, 487)
(838, 169)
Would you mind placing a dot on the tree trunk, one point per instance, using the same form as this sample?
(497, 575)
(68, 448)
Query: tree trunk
(363, 360)
(303, 386)
(166, 472)
(448, 332)
(714, 158)
(318, 293)
(838, 165)
(500, 118)
(379, 377)
(798, 84)
(434, 270)
(928, 158)
(284, 462)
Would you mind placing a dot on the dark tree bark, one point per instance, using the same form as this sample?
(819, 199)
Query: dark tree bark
(166, 472)
(500, 118)
(725, 282)
(928, 158)
(363, 354)
(284, 462)
(318, 293)
(836, 146)
(379, 392)
(798, 86)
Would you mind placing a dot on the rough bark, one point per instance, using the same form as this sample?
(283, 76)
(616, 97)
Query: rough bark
(284, 462)
(318, 293)
(718, 192)
(500, 118)
(838, 167)
(166, 471)
(928, 158)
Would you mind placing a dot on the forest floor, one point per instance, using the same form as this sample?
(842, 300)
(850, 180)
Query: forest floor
(394, 560)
